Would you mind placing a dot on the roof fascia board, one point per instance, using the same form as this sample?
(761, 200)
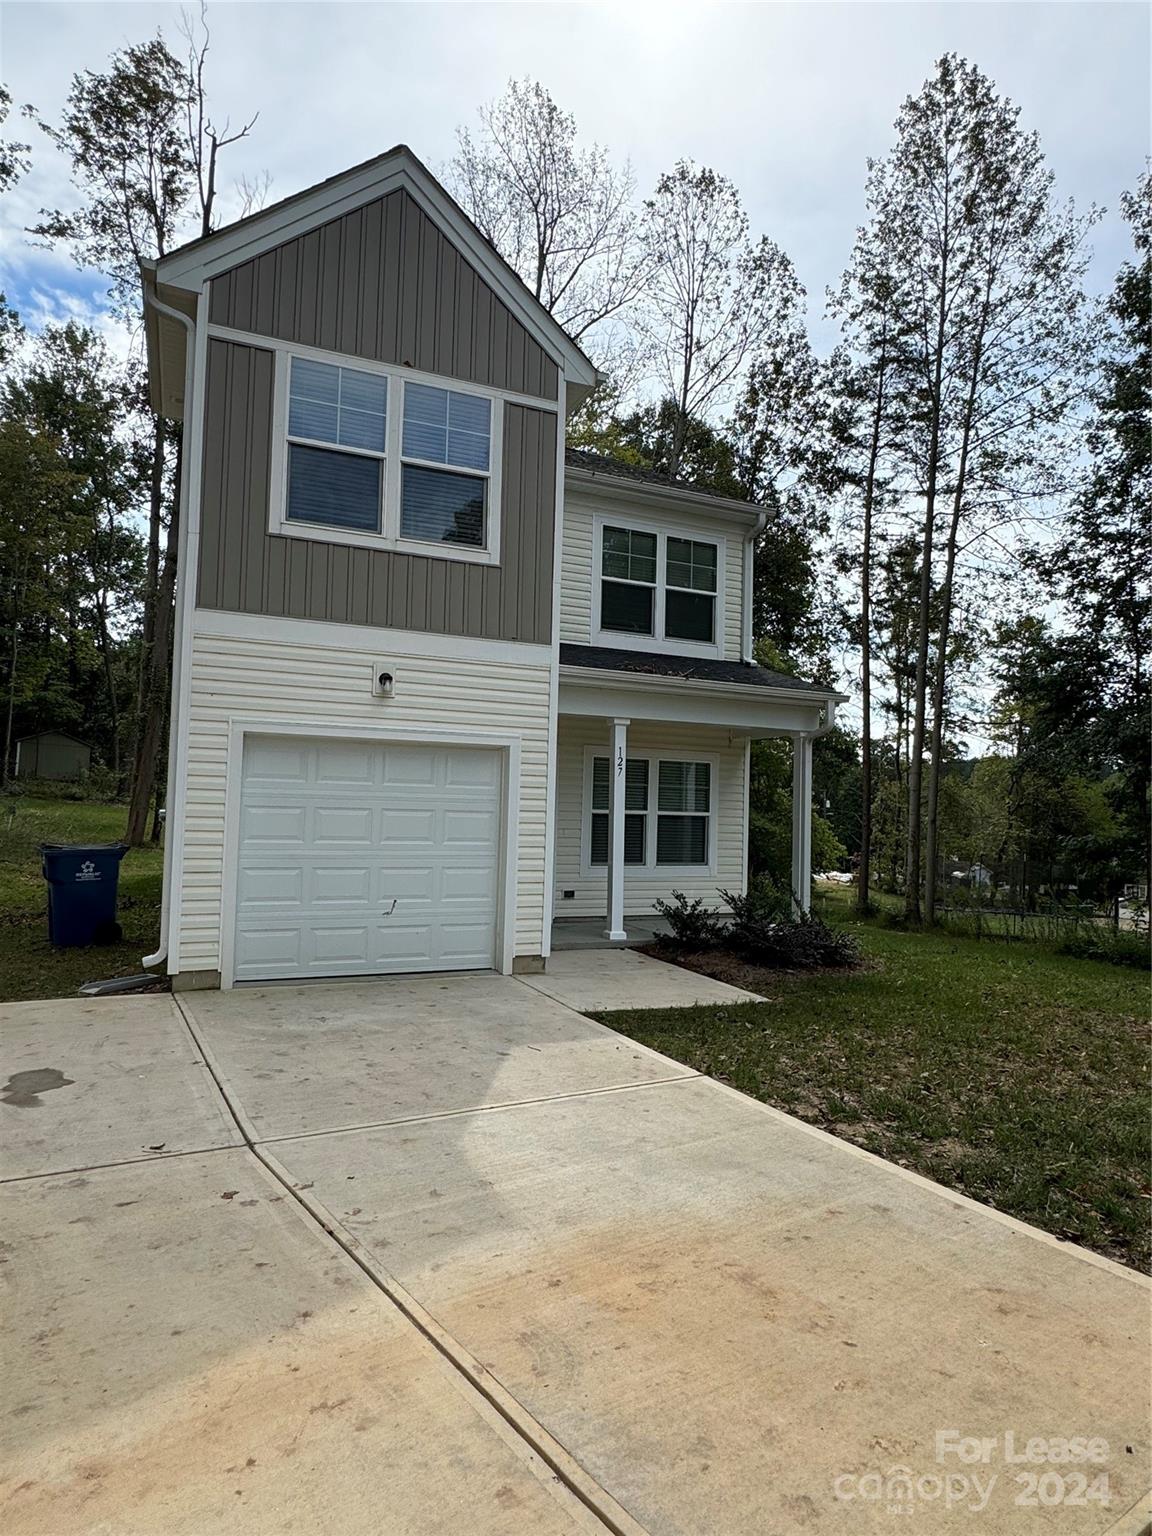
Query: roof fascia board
(747, 716)
(319, 205)
(615, 488)
(592, 677)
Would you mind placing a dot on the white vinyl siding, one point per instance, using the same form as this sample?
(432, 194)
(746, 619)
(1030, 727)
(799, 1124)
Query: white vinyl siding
(329, 687)
(580, 568)
(654, 741)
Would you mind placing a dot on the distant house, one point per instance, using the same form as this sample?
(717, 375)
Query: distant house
(51, 755)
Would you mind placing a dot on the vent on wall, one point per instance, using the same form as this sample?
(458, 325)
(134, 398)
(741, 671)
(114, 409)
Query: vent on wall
(568, 895)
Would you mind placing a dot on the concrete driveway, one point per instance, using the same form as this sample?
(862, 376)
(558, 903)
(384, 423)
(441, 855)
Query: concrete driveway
(492, 1267)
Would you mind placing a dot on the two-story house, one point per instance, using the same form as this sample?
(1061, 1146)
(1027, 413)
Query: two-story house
(435, 687)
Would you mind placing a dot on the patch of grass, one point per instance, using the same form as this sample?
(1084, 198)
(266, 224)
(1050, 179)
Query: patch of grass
(1013, 1074)
(30, 967)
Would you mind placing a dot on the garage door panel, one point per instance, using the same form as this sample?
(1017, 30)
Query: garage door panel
(471, 770)
(276, 762)
(416, 828)
(463, 829)
(274, 824)
(265, 885)
(349, 764)
(467, 884)
(357, 859)
(412, 766)
(334, 884)
(342, 824)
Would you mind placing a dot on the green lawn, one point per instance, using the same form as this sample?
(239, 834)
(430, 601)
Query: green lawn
(29, 966)
(1013, 1074)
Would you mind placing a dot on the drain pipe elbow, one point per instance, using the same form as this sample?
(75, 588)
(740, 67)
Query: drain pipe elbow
(153, 301)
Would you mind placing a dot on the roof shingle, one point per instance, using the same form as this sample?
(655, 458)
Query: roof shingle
(701, 668)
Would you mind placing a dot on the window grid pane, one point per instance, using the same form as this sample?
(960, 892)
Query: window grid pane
(447, 427)
(691, 565)
(635, 784)
(629, 556)
(684, 787)
(342, 406)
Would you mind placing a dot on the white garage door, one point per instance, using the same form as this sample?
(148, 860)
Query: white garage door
(358, 859)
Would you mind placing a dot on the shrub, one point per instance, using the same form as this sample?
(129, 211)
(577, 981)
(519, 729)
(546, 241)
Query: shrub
(1100, 943)
(797, 943)
(763, 902)
(766, 931)
(693, 926)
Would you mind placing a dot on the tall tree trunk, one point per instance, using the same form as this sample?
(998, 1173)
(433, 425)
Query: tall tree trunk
(152, 568)
(924, 620)
(104, 645)
(10, 709)
(864, 885)
(155, 715)
(940, 680)
(912, 865)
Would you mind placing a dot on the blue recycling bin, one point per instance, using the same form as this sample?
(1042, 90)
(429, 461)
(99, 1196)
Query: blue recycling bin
(82, 885)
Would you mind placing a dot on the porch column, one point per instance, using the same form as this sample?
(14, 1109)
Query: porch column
(801, 822)
(618, 756)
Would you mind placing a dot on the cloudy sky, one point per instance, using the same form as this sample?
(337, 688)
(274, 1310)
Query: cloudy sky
(788, 100)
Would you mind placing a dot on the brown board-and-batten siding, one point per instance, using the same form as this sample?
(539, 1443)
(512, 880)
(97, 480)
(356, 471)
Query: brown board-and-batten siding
(245, 569)
(381, 282)
(384, 282)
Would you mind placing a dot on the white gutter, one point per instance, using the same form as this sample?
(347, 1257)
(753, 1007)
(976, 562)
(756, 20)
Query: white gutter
(749, 572)
(152, 300)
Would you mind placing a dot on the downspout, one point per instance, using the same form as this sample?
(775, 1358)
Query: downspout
(749, 561)
(152, 299)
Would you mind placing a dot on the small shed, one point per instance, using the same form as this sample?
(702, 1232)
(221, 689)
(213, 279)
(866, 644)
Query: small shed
(51, 755)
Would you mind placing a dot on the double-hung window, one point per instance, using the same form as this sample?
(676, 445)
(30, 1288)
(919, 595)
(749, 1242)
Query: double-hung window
(659, 585)
(446, 466)
(667, 814)
(337, 439)
(690, 595)
(635, 811)
(373, 457)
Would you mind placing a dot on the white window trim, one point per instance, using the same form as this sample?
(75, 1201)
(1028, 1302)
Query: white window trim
(655, 642)
(650, 870)
(392, 460)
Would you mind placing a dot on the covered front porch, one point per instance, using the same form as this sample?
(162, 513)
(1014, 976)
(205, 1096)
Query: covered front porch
(653, 787)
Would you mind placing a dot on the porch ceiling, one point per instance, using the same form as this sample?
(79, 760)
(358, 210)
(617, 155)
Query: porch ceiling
(739, 708)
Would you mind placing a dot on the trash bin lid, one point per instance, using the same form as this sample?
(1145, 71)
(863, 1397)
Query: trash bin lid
(83, 847)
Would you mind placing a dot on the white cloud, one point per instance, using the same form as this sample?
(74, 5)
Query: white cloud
(788, 99)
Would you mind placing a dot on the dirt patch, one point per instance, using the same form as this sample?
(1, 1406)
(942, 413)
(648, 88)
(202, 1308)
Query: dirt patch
(726, 965)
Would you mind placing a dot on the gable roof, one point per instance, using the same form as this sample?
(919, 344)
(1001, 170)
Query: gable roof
(184, 271)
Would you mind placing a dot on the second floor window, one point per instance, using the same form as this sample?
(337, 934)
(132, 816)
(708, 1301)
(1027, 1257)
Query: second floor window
(445, 468)
(339, 484)
(660, 585)
(372, 456)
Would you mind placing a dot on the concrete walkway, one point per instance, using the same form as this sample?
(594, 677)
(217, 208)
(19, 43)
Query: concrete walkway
(577, 1287)
(602, 980)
